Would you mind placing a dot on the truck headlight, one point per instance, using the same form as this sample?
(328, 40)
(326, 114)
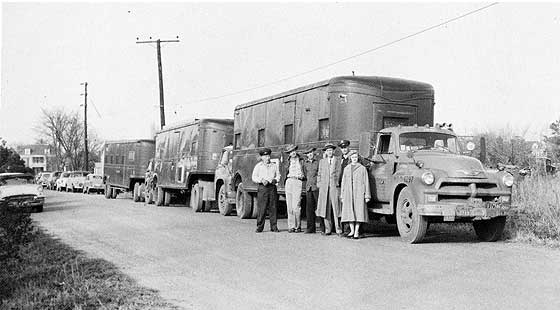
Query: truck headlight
(428, 178)
(507, 179)
(40, 189)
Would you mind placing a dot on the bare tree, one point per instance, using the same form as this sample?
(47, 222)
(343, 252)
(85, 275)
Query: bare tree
(64, 132)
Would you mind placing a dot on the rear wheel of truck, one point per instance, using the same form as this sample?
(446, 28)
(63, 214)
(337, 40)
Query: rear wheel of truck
(167, 198)
(243, 203)
(159, 196)
(136, 192)
(114, 193)
(149, 193)
(223, 205)
(107, 191)
(412, 226)
(142, 192)
(490, 230)
(196, 202)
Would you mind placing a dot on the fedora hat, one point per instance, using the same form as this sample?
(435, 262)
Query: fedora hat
(309, 150)
(290, 148)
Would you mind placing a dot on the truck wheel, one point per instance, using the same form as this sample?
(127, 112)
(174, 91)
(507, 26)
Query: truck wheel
(196, 202)
(223, 205)
(107, 191)
(159, 196)
(412, 226)
(114, 193)
(243, 203)
(255, 207)
(136, 192)
(149, 196)
(166, 198)
(142, 192)
(490, 230)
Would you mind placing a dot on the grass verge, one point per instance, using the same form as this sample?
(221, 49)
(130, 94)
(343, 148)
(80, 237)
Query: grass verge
(49, 274)
(535, 216)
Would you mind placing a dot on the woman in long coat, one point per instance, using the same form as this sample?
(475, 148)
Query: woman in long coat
(355, 195)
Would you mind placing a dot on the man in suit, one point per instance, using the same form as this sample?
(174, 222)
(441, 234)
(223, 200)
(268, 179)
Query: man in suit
(311, 168)
(327, 181)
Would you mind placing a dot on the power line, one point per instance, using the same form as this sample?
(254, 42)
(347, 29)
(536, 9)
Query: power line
(349, 57)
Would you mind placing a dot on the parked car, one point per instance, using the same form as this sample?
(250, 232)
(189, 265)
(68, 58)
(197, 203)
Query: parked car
(93, 183)
(61, 182)
(75, 182)
(43, 178)
(51, 181)
(18, 189)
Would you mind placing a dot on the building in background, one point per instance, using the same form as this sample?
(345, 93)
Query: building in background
(37, 157)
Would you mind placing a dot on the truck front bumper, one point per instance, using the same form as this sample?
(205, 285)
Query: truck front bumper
(467, 209)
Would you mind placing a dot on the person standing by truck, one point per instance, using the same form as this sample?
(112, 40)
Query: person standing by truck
(327, 181)
(354, 195)
(293, 184)
(266, 175)
(310, 170)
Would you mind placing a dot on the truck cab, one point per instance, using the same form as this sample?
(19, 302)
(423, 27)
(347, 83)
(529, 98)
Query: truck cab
(419, 176)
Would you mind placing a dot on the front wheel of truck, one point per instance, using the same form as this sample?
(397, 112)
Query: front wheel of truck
(490, 230)
(412, 226)
(223, 205)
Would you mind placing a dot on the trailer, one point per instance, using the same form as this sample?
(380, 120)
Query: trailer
(186, 157)
(347, 107)
(124, 164)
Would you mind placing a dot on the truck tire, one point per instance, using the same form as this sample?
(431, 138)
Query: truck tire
(490, 230)
(166, 198)
(243, 203)
(142, 192)
(159, 196)
(107, 191)
(114, 193)
(136, 192)
(149, 196)
(223, 205)
(255, 207)
(196, 202)
(412, 226)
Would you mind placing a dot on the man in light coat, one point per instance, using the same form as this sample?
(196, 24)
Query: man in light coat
(327, 181)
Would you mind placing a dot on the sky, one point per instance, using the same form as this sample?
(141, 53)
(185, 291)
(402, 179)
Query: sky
(494, 69)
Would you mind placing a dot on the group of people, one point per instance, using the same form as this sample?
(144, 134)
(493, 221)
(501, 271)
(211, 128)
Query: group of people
(336, 190)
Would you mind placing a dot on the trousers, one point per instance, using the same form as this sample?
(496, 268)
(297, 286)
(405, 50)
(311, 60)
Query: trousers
(311, 197)
(293, 199)
(267, 198)
(330, 215)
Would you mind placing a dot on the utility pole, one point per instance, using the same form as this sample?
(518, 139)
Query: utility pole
(161, 104)
(86, 168)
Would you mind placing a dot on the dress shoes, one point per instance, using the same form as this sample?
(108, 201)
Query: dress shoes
(298, 230)
(291, 230)
(275, 230)
(258, 230)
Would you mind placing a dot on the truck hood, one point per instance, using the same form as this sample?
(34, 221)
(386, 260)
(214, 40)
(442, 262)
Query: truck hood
(456, 166)
(15, 190)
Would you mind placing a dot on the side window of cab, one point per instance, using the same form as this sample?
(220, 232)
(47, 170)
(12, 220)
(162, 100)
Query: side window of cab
(385, 144)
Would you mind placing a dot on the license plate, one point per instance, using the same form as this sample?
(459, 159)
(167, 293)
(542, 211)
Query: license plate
(462, 211)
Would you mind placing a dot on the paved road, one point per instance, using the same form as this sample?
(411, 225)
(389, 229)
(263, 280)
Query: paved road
(208, 261)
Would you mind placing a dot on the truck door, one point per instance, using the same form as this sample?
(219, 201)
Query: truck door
(383, 168)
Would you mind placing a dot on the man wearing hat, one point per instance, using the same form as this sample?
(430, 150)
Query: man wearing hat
(310, 170)
(266, 175)
(293, 182)
(327, 181)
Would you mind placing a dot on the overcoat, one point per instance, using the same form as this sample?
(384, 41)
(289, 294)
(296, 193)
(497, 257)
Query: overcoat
(354, 191)
(327, 182)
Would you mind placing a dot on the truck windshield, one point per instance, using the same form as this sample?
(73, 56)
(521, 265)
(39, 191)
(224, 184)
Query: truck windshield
(428, 141)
